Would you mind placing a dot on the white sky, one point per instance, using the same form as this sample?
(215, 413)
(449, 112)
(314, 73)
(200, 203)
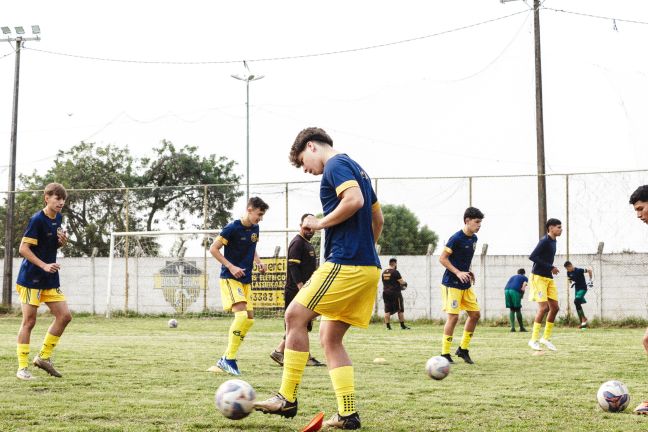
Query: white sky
(452, 105)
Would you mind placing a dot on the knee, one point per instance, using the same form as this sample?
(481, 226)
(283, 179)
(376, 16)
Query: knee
(29, 323)
(475, 315)
(65, 318)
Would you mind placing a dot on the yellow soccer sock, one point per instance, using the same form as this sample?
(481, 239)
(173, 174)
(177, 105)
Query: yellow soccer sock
(342, 379)
(48, 346)
(294, 365)
(465, 340)
(548, 330)
(234, 339)
(246, 327)
(535, 333)
(23, 355)
(445, 345)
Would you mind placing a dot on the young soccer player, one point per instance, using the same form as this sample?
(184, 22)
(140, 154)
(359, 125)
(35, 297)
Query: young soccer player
(639, 200)
(302, 262)
(38, 281)
(543, 286)
(240, 238)
(456, 286)
(343, 289)
(513, 293)
(576, 278)
(393, 286)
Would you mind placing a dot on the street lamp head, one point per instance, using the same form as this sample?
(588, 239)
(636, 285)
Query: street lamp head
(239, 77)
(19, 30)
(6, 30)
(255, 77)
(35, 29)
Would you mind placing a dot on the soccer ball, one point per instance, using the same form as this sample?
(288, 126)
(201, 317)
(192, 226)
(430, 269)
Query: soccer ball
(437, 367)
(613, 396)
(235, 399)
(173, 323)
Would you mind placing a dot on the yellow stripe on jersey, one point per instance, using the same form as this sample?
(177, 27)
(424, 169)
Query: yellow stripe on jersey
(30, 240)
(346, 185)
(223, 240)
(447, 249)
(375, 206)
(292, 260)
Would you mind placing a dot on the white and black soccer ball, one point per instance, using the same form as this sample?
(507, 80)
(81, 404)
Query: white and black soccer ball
(235, 399)
(437, 367)
(613, 396)
(173, 323)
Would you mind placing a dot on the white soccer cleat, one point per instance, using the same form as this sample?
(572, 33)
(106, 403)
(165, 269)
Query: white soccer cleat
(548, 344)
(24, 374)
(535, 345)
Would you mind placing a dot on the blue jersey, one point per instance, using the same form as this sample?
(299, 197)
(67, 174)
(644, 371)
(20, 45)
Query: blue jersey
(461, 249)
(41, 235)
(350, 242)
(515, 282)
(577, 277)
(240, 245)
(543, 256)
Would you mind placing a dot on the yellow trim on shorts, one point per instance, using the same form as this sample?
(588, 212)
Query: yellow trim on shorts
(223, 240)
(30, 240)
(324, 287)
(346, 185)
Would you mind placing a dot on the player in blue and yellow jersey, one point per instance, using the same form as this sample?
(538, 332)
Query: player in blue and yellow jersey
(240, 240)
(513, 292)
(576, 278)
(343, 289)
(38, 281)
(543, 286)
(456, 286)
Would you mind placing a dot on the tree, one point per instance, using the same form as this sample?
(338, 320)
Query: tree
(401, 233)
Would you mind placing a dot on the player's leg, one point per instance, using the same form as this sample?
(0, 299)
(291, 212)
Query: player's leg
(29, 313)
(469, 304)
(62, 317)
(520, 320)
(645, 341)
(278, 354)
(389, 309)
(579, 300)
(401, 312)
(448, 331)
(551, 318)
(342, 375)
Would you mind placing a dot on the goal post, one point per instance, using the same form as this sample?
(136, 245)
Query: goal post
(172, 272)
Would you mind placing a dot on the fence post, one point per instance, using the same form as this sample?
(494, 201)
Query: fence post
(428, 276)
(126, 251)
(567, 241)
(205, 246)
(287, 221)
(110, 268)
(599, 253)
(95, 250)
(470, 181)
(483, 276)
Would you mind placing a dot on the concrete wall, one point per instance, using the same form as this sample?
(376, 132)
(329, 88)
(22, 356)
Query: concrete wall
(621, 285)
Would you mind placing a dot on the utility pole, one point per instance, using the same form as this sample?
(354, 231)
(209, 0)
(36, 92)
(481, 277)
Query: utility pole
(542, 181)
(7, 280)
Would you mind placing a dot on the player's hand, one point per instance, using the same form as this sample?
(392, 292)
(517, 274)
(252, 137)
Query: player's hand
(554, 270)
(51, 268)
(472, 277)
(464, 276)
(310, 222)
(62, 237)
(263, 267)
(237, 272)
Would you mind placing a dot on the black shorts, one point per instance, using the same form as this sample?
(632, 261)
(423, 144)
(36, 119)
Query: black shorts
(393, 302)
(289, 296)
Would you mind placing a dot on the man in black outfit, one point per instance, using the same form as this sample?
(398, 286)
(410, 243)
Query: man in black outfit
(302, 262)
(393, 285)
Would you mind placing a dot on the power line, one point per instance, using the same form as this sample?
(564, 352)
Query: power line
(293, 57)
(597, 16)
(8, 54)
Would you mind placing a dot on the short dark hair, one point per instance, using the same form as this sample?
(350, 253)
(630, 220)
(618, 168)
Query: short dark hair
(567, 264)
(308, 134)
(641, 194)
(552, 222)
(473, 213)
(392, 261)
(521, 271)
(258, 203)
(304, 217)
(55, 189)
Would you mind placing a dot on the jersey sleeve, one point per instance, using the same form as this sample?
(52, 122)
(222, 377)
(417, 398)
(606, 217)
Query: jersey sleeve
(294, 262)
(450, 244)
(341, 177)
(32, 232)
(226, 234)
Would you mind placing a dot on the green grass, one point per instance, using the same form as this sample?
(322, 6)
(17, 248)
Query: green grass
(130, 374)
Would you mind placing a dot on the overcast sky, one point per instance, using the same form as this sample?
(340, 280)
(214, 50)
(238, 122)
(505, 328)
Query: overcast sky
(456, 104)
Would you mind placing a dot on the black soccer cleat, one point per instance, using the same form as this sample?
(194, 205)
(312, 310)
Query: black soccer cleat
(278, 405)
(350, 422)
(448, 357)
(464, 355)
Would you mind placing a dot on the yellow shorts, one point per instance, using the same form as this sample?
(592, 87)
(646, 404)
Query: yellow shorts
(542, 288)
(35, 296)
(454, 300)
(342, 293)
(233, 291)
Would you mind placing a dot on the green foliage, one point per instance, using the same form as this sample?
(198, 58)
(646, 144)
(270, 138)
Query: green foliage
(402, 235)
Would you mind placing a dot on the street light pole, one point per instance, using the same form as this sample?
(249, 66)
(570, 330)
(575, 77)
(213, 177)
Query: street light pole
(11, 184)
(247, 77)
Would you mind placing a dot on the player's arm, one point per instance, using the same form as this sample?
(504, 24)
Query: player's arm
(377, 221)
(29, 255)
(214, 249)
(444, 259)
(260, 264)
(523, 287)
(351, 200)
(294, 264)
(62, 236)
(590, 273)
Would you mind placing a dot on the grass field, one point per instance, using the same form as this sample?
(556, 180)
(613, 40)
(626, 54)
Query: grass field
(135, 374)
